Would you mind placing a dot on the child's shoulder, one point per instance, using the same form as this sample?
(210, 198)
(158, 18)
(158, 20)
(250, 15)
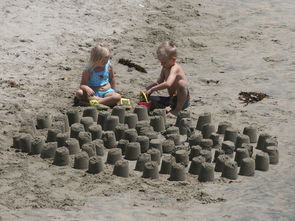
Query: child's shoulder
(176, 67)
(87, 70)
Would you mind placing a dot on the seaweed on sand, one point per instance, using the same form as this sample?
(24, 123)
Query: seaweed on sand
(251, 97)
(130, 64)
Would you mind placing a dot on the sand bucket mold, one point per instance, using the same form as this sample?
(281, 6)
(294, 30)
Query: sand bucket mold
(143, 99)
(146, 104)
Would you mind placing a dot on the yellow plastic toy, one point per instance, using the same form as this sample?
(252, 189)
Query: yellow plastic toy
(143, 97)
(125, 102)
(97, 105)
(93, 102)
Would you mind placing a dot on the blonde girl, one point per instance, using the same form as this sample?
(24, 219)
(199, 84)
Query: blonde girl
(98, 79)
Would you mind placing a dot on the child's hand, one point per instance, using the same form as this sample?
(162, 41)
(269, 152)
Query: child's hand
(90, 92)
(148, 87)
(149, 91)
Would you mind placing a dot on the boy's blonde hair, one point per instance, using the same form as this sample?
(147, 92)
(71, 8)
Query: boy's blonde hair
(167, 49)
(99, 53)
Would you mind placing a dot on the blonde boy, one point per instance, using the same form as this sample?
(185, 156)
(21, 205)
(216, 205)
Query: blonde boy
(171, 78)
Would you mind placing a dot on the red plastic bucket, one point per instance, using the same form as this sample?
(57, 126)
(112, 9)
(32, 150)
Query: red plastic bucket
(146, 104)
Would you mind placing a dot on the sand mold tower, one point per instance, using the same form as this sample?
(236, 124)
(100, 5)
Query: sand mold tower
(150, 141)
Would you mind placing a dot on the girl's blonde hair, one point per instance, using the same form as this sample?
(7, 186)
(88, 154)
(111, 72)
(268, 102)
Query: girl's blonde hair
(167, 49)
(99, 53)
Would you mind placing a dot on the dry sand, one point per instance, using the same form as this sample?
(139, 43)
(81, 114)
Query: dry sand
(244, 45)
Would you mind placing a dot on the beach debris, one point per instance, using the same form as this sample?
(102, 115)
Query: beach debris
(274, 59)
(251, 97)
(9, 84)
(13, 84)
(66, 68)
(130, 64)
(212, 81)
(26, 40)
(64, 78)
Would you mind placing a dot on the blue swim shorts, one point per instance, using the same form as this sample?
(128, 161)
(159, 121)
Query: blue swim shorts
(170, 101)
(103, 93)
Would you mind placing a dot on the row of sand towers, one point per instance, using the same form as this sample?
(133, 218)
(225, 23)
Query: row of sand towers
(147, 138)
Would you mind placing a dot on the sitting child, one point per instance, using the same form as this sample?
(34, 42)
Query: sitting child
(171, 77)
(98, 79)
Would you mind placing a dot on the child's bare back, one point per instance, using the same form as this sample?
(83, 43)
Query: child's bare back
(179, 76)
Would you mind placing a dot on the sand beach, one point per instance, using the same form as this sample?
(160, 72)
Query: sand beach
(225, 47)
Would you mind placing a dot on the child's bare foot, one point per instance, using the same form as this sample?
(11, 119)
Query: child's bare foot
(94, 98)
(172, 114)
(168, 109)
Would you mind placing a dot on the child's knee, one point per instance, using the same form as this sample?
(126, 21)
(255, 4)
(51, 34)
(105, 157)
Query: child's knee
(79, 93)
(116, 97)
(182, 86)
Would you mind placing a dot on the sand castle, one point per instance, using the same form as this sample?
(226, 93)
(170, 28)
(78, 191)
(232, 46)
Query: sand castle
(203, 149)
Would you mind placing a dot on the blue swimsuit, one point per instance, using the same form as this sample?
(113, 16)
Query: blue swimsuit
(100, 78)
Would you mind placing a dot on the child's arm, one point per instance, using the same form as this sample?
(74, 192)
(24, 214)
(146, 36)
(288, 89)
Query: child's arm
(84, 81)
(164, 84)
(159, 80)
(112, 77)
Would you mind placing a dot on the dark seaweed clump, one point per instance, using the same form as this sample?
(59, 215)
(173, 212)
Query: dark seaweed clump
(251, 97)
(130, 64)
